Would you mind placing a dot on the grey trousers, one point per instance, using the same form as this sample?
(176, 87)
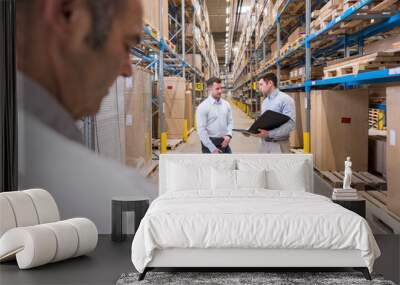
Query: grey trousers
(273, 147)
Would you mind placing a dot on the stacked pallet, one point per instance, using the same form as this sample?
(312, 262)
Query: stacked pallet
(360, 180)
(296, 136)
(358, 64)
(335, 8)
(374, 7)
(331, 10)
(297, 75)
(268, 19)
(294, 41)
(375, 118)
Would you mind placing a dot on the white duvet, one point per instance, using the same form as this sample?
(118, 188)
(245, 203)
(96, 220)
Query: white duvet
(250, 219)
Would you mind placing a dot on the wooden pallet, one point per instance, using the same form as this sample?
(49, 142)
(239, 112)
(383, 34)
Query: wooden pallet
(358, 64)
(327, 13)
(373, 117)
(297, 80)
(361, 180)
(286, 83)
(291, 46)
(172, 144)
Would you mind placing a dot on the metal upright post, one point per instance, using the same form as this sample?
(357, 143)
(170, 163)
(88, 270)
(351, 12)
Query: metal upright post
(183, 39)
(307, 83)
(264, 50)
(361, 46)
(346, 46)
(194, 73)
(278, 48)
(161, 73)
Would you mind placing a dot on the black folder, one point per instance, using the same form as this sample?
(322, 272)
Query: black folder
(269, 120)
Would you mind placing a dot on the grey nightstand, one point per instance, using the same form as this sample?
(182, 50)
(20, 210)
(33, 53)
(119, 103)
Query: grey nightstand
(357, 206)
(136, 204)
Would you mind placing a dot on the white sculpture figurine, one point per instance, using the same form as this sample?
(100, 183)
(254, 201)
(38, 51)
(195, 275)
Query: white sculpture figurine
(347, 174)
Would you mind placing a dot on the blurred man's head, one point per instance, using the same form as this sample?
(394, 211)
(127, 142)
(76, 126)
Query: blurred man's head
(214, 87)
(267, 83)
(77, 48)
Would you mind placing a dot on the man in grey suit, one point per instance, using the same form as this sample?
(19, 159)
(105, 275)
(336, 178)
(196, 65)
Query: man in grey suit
(68, 55)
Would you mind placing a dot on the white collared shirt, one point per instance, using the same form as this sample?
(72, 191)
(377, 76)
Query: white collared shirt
(213, 119)
(282, 103)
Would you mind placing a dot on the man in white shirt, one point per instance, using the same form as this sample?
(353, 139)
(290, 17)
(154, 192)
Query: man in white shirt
(276, 140)
(68, 54)
(214, 120)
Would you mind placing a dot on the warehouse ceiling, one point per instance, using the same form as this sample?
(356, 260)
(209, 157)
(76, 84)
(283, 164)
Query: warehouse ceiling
(217, 14)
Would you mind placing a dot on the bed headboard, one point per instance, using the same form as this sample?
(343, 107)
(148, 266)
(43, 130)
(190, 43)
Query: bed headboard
(212, 159)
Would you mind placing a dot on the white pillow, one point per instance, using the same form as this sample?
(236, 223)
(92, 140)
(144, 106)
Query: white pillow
(293, 179)
(283, 174)
(183, 178)
(223, 179)
(251, 179)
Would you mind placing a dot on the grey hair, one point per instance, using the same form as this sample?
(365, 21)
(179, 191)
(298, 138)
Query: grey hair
(103, 13)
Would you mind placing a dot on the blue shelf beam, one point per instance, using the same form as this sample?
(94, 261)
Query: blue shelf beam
(371, 77)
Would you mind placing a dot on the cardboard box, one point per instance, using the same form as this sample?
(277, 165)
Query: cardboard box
(174, 109)
(150, 8)
(151, 15)
(393, 148)
(165, 19)
(174, 88)
(377, 155)
(138, 119)
(339, 128)
(285, 74)
(189, 109)
(296, 136)
(174, 128)
(194, 60)
(274, 50)
(189, 30)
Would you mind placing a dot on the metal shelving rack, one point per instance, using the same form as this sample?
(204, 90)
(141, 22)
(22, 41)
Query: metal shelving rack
(305, 55)
(158, 57)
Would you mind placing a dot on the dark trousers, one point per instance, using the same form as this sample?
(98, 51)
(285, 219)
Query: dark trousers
(217, 142)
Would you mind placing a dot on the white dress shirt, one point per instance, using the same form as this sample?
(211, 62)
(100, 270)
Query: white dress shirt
(51, 157)
(213, 119)
(282, 103)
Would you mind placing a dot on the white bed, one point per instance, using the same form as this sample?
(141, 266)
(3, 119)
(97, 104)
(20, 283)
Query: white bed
(200, 223)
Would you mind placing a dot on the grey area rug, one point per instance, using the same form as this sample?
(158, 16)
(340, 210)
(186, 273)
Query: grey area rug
(243, 278)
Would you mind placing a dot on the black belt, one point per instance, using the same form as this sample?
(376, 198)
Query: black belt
(276, 141)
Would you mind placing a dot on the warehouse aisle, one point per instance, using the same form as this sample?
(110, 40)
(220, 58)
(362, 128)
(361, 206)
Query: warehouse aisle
(239, 144)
